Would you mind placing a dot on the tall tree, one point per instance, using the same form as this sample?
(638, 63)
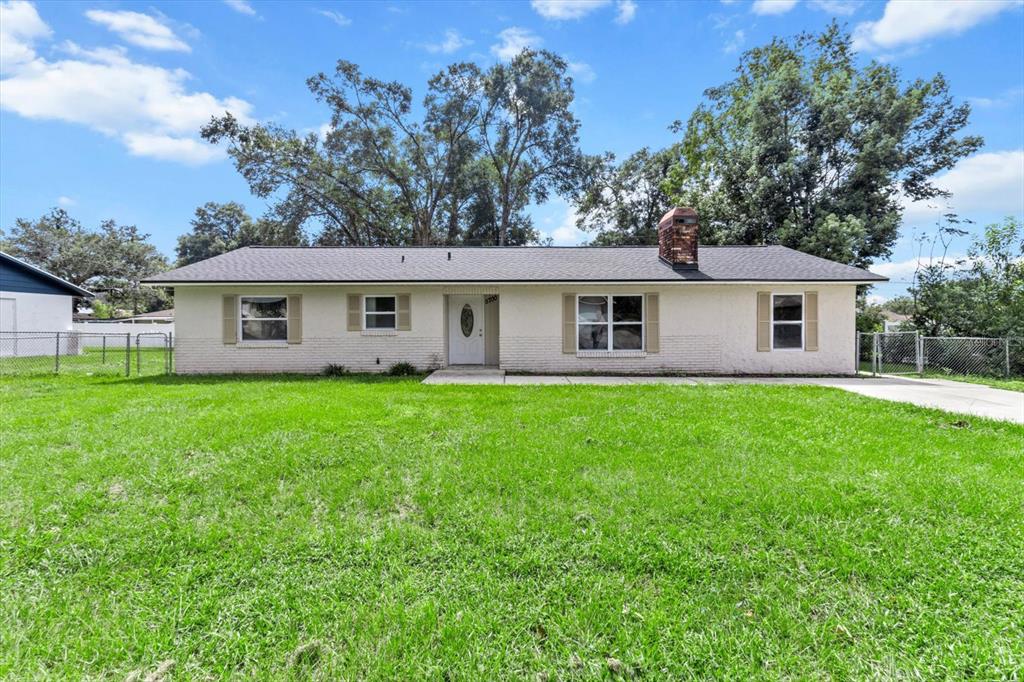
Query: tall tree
(529, 133)
(623, 202)
(111, 260)
(59, 244)
(219, 228)
(805, 148)
(378, 167)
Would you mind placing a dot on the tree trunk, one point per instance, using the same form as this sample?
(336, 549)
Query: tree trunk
(503, 225)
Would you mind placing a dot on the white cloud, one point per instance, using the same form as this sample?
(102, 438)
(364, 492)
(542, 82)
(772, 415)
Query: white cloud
(627, 12)
(241, 6)
(840, 7)
(560, 10)
(139, 29)
(582, 72)
(876, 299)
(452, 42)
(903, 270)
(148, 108)
(20, 26)
(906, 22)
(734, 45)
(766, 7)
(66, 201)
(512, 41)
(567, 234)
(187, 150)
(337, 17)
(990, 182)
(1006, 98)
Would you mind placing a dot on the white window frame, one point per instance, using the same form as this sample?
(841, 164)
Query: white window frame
(803, 318)
(263, 342)
(611, 324)
(395, 313)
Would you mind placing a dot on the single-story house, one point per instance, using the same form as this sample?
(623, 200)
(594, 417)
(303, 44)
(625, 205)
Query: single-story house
(32, 300)
(675, 307)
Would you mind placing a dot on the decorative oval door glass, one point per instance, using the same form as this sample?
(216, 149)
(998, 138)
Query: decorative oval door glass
(466, 320)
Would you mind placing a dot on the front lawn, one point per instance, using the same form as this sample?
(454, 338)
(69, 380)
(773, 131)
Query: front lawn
(355, 528)
(1007, 384)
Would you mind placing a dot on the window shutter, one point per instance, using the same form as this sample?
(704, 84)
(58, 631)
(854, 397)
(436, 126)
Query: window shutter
(355, 311)
(295, 319)
(764, 320)
(229, 330)
(652, 324)
(404, 313)
(810, 320)
(569, 323)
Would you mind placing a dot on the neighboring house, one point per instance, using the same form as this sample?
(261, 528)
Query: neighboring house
(675, 307)
(152, 317)
(895, 322)
(32, 300)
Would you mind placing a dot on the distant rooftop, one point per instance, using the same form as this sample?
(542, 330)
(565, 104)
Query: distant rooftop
(508, 264)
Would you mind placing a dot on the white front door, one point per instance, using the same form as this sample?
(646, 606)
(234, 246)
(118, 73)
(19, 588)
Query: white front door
(465, 330)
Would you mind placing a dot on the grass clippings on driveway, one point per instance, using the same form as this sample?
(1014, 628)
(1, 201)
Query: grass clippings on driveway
(289, 527)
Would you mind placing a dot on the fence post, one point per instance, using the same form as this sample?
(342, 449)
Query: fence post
(875, 361)
(170, 352)
(856, 355)
(919, 345)
(1006, 345)
(103, 359)
(56, 356)
(138, 357)
(128, 355)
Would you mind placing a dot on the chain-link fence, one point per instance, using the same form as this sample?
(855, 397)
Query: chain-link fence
(911, 353)
(27, 353)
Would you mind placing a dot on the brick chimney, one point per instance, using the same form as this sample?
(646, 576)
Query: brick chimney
(677, 238)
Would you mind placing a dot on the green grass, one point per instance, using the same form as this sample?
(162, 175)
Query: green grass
(1011, 384)
(92, 361)
(358, 528)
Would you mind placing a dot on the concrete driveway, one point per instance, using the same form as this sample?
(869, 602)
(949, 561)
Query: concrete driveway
(952, 396)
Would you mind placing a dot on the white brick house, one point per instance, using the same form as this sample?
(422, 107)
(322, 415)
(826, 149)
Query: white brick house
(676, 307)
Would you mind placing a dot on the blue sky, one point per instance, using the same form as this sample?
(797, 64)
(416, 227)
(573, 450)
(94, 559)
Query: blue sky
(100, 102)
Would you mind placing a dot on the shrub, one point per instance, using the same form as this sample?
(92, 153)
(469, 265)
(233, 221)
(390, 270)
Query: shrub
(402, 369)
(333, 370)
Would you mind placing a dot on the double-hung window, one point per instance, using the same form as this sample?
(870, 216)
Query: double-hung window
(609, 323)
(787, 321)
(263, 318)
(379, 312)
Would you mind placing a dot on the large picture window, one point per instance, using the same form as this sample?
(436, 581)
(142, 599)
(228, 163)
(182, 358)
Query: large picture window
(610, 322)
(263, 318)
(787, 321)
(379, 312)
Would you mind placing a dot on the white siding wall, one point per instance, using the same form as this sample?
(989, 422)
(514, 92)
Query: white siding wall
(704, 329)
(36, 312)
(199, 347)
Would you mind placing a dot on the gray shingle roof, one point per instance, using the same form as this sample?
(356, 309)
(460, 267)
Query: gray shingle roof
(508, 264)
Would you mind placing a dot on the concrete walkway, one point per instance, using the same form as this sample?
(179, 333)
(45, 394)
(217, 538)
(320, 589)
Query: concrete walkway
(952, 396)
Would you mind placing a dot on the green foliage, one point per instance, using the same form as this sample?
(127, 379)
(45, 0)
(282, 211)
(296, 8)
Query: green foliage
(528, 132)
(901, 305)
(102, 310)
(284, 527)
(335, 370)
(402, 369)
(219, 228)
(460, 168)
(110, 261)
(623, 202)
(981, 296)
(807, 149)
(870, 317)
